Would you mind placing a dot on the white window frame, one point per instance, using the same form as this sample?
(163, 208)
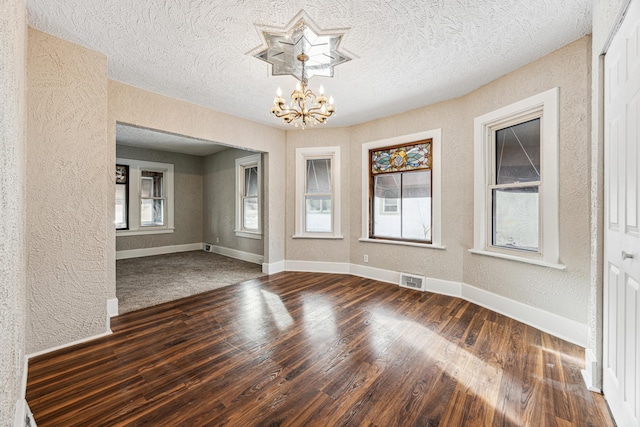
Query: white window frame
(435, 136)
(135, 171)
(254, 160)
(544, 105)
(302, 155)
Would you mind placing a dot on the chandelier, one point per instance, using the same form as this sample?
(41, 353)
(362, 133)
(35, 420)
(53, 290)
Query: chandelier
(302, 53)
(306, 108)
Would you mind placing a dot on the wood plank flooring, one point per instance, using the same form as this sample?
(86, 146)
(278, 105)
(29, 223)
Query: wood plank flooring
(307, 349)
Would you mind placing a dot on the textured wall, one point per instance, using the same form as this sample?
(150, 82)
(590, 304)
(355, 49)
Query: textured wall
(448, 116)
(68, 189)
(13, 44)
(141, 108)
(219, 202)
(327, 250)
(562, 292)
(187, 200)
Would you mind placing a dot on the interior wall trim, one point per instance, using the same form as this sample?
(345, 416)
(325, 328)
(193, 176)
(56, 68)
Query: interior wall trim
(112, 308)
(70, 344)
(273, 267)
(559, 326)
(591, 373)
(234, 253)
(160, 250)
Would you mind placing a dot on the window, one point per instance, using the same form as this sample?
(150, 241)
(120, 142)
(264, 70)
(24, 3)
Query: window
(400, 185)
(248, 190)
(122, 197)
(318, 192)
(144, 197)
(516, 181)
(401, 190)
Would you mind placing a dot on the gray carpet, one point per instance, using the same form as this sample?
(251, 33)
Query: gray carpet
(144, 282)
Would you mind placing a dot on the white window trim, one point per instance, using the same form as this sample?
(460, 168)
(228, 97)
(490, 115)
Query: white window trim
(302, 154)
(545, 103)
(241, 164)
(135, 167)
(436, 186)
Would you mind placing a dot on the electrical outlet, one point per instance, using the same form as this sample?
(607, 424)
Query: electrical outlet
(217, 240)
(366, 258)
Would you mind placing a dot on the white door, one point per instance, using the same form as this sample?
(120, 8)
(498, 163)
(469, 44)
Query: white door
(621, 361)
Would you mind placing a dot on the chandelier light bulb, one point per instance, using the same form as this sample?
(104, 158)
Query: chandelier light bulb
(321, 90)
(298, 88)
(279, 92)
(331, 100)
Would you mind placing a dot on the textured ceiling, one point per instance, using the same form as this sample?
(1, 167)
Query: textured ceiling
(156, 140)
(406, 54)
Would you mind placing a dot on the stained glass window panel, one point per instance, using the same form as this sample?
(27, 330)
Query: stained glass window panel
(406, 158)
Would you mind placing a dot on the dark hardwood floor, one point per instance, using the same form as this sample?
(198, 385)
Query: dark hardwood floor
(306, 349)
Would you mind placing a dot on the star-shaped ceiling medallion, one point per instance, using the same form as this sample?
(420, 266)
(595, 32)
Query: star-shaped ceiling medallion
(301, 49)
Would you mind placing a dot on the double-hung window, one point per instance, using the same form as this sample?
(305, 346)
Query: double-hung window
(318, 192)
(400, 188)
(516, 181)
(144, 197)
(248, 190)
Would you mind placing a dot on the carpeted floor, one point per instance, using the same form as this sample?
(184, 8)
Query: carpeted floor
(148, 281)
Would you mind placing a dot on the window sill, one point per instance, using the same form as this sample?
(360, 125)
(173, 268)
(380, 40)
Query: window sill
(121, 233)
(399, 243)
(315, 236)
(249, 234)
(519, 259)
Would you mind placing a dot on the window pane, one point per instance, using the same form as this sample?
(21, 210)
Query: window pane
(121, 207)
(250, 213)
(416, 205)
(318, 176)
(318, 214)
(151, 184)
(387, 187)
(518, 153)
(251, 181)
(515, 218)
(151, 212)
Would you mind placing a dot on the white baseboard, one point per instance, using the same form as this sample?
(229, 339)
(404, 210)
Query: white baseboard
(112, 307)
(273, 267)
(591, 373)
(160, 250)
(234, 253)
(59, 347)
(22, 413)
(317, 266)
(561, 327)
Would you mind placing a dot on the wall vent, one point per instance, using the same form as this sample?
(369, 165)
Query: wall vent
(207, 247)
(412, 281)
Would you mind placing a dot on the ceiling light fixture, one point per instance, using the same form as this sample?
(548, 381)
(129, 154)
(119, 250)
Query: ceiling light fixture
(302, 53)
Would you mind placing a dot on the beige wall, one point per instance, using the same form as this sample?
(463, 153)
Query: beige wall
(561, 292)
(327, 250)
(13, 45)
(188, 186)
(68, 188)
(220, 202)
(135, 106)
